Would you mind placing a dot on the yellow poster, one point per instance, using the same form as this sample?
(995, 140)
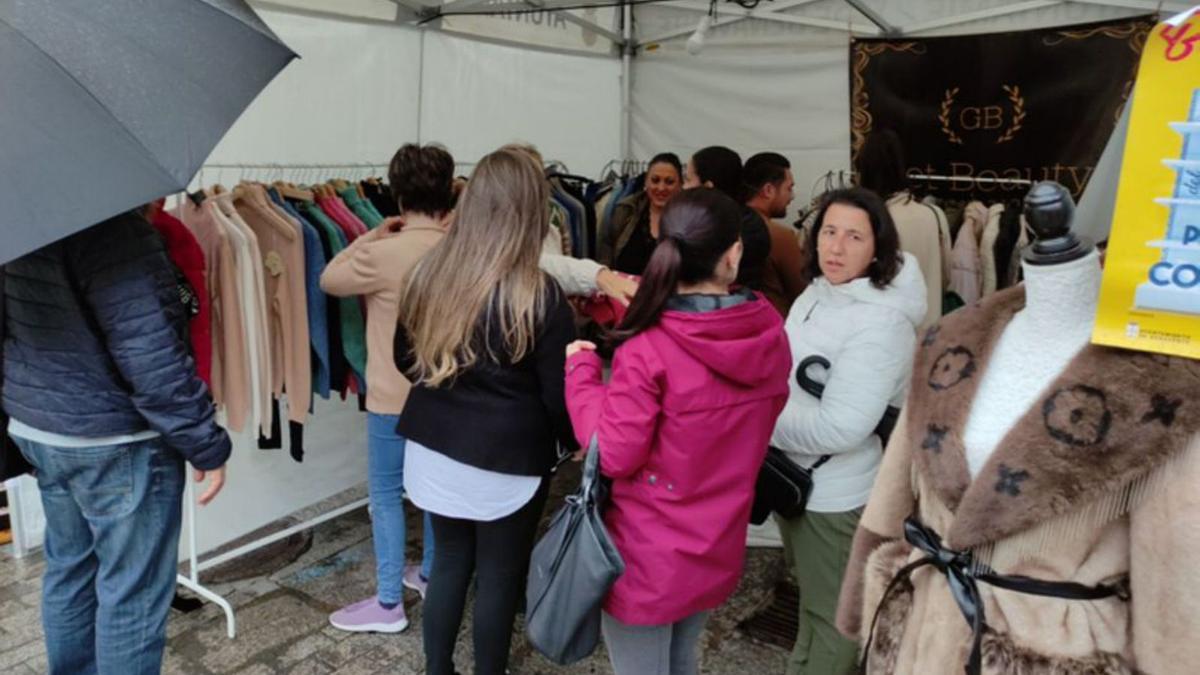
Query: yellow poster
(1150, 298)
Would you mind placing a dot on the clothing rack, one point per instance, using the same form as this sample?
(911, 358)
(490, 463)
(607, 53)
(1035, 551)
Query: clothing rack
(971, 179)
(302, 173)
(627, 167)
(844, 178)
(191, 580)
(297, 173)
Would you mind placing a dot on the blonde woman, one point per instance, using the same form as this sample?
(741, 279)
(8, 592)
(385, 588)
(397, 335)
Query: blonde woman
(483, 333)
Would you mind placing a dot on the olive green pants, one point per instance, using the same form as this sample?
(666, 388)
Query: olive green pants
(817, 546)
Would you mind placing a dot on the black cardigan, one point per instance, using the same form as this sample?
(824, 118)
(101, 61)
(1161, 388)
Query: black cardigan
(503, 417)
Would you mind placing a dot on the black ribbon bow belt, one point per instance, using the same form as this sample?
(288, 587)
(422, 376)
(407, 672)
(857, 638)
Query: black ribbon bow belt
(963, 574)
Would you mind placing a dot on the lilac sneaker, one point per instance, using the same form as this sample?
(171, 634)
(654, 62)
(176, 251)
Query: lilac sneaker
(414, 580)
(368, 616)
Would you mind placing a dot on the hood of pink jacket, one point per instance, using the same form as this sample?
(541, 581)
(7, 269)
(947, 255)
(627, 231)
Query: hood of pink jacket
(738, 343)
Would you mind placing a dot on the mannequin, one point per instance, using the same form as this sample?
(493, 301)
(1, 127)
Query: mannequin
(1035, 511)
(1062, 288)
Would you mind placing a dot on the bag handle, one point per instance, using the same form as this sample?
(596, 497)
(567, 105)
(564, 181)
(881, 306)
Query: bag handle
(591, 469)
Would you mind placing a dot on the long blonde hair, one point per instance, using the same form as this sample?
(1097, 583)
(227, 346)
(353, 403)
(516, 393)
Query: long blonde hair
(485, 271)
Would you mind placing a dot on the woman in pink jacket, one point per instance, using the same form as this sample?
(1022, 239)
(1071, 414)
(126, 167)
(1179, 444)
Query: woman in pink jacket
(683, 427)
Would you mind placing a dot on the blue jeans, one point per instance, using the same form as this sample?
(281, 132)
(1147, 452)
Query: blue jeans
(385, 485)
(112, 537)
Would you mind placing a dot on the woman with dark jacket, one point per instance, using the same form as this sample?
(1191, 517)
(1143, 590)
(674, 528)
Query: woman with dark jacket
(482, 336)
(635, 222)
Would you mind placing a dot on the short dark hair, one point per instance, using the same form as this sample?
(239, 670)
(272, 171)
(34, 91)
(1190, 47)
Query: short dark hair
(422, 179)
(888, 256)
(667, 158)
(720, 166)
(762, 169)
(881, 165)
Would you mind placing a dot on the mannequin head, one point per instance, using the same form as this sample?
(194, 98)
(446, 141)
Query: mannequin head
(856, 239)
(768, 184)
(664, 179)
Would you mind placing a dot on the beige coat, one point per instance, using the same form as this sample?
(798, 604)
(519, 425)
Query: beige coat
(281, 245)
(966, 277)
(987, 249)
(1096, 485)
(925, 234)
(230, 370)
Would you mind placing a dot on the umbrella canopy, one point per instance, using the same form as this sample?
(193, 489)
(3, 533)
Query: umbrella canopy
(105, 105)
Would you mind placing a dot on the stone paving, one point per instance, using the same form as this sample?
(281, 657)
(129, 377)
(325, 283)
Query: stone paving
(283, 624)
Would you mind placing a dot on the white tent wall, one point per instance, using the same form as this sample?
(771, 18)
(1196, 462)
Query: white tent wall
(353, 97)
(762, 85)
(478, 96)
(350, 97)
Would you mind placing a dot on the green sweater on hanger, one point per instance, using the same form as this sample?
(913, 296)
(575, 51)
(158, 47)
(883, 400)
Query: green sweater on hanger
(362, 208)
(354, 339)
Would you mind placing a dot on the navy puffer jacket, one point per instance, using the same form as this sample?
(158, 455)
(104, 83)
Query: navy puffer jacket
(96, 343)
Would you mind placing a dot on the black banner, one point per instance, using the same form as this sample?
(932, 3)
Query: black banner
(984, 109)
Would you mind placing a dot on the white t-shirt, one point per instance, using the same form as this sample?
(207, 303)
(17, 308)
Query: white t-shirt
(21, 430)
(449, 488)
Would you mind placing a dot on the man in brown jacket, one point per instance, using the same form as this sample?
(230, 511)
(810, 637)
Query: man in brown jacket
(767, 178)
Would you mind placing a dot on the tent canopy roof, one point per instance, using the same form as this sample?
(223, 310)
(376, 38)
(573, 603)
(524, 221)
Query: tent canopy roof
(661, 21)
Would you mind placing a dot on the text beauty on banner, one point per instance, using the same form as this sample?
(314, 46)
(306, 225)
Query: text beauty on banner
(1033, 105)
(1150, 298)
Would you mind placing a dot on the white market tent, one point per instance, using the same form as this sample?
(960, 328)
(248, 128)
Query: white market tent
(370, 79)
(587, 85)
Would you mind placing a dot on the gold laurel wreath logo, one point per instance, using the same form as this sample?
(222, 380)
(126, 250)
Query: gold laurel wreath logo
(1018, 112)
(944, 116)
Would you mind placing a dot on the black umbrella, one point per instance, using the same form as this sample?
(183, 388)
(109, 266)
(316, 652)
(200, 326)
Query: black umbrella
(108, 104)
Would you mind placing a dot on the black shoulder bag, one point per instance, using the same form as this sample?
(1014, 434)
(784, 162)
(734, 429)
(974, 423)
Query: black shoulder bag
(783, 486)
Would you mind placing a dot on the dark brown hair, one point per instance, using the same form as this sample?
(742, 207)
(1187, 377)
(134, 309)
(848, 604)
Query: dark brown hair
(761, 169)
(668, 158)
(881, 166)
(888, 256)
(422, 179)
(698, 227)
(720, 166)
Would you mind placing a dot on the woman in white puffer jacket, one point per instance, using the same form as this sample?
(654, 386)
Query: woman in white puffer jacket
(861, 313)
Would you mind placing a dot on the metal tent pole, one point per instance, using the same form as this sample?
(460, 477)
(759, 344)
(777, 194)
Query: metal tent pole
(627, 82)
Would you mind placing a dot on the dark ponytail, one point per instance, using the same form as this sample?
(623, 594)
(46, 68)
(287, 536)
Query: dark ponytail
(698, 227)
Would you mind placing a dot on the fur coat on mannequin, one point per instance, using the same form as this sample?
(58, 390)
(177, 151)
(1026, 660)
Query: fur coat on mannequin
(1099, 483)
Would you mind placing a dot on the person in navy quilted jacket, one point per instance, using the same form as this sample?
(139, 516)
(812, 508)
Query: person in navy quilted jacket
(104, 402)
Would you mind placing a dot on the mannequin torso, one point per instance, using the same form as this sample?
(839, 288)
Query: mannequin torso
(1034, 349)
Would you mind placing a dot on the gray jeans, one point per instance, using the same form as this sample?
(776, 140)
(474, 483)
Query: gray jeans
(672, 649)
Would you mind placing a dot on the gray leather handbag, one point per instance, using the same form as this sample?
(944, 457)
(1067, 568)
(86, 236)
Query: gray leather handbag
(572, 568)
